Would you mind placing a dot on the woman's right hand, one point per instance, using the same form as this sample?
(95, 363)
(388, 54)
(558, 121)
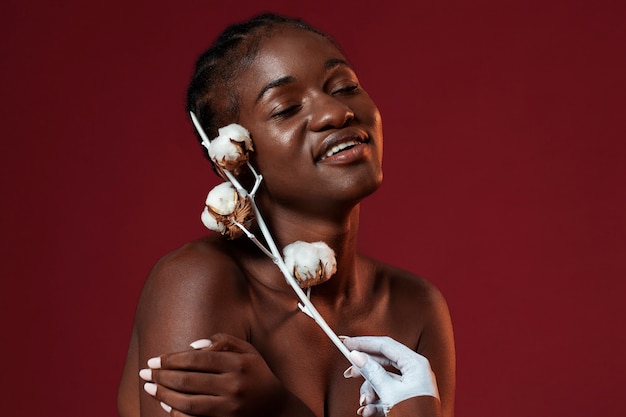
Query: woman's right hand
(223, 375)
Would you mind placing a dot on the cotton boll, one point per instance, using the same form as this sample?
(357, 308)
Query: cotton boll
(222, 150)
(230, 149)
(211, 223)
(327, 257)
(227, 212)
(311, 263)
(302, 257)
(222, 199)
(237, 133)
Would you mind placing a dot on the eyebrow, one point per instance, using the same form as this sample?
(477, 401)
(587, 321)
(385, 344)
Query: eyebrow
(273, 84)
(330, 64)
(335, 62)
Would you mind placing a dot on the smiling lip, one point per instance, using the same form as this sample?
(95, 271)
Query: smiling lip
(337, 143)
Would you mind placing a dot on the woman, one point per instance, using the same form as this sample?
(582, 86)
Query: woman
(318, 144)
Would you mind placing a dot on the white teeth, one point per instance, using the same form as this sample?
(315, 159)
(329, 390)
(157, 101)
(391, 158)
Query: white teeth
(338, 148)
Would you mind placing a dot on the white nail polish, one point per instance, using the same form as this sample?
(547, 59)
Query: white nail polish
(347, 373)
(362, 400)
(150, 388)
(166, 407)
(146, 374)
(358, 358)
(200, 344)
(154, 363)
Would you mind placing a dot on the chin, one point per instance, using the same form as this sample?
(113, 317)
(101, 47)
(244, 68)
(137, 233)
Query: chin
(374, 187)
(364, 187)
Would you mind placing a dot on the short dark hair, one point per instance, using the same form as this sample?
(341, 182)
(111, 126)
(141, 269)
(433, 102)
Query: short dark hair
(210, 94)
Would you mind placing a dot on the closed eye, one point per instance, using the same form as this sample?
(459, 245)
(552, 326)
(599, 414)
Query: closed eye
(286, 112)
(347, 89)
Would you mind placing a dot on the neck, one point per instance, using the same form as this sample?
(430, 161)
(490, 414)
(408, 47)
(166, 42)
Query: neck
(339, 231)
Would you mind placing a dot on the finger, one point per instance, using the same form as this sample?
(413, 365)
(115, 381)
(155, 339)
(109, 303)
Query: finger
(193, 382)
(379, 345)
(201, 344)
(167, 408)
(368, 395)
(383, 361)
(371, 410)
(146, 374)
(370, 369)
(182, 404)
(351, 372)
(202, 360)
(223, 341)
(174, 412)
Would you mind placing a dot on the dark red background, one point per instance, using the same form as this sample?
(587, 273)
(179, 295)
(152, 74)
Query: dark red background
(505, 185)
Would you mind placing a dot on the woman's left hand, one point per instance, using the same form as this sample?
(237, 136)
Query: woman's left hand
(383, 389)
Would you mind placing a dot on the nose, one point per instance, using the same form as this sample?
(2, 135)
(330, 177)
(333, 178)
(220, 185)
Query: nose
(329, 113)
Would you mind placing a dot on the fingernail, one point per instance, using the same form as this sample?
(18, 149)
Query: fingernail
(150, 388)
(146, 374)
(342, 338)
(360, 411)
(166, 407)
(358, 358)
(362, 400)
(347, 373)
(202, 343)
(154, 363)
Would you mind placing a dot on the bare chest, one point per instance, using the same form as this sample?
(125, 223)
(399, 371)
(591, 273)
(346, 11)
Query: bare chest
(306, 361)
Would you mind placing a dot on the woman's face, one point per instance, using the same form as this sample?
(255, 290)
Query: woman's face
(317, 134)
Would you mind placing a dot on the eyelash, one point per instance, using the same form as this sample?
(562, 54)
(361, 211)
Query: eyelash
(286, 112)
(347, 89)
(292, 109)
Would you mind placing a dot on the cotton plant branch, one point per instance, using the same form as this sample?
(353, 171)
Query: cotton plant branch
(229, 151)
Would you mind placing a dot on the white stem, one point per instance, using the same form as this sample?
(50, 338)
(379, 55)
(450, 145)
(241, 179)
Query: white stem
(242, 191)
(313, 311)
(253, 238)
(278, 260)
(257, 179)
(275, 254)
(199, 128)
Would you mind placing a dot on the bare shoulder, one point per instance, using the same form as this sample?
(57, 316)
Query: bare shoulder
(191, 293)
(202, 265)
(405, 285)
(419, 306)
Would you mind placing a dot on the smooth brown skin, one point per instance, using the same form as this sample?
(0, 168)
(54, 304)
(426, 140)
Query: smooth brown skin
(427, 406)
(270, 358)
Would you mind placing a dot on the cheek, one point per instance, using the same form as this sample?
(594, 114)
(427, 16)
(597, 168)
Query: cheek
(271, 155)
(281, 142)
(369, 113)
(374, 120)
